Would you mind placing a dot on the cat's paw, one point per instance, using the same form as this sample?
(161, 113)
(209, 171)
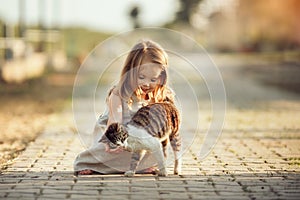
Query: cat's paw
(162, 172)
(129, 173)
(177, 167)
(177, 172)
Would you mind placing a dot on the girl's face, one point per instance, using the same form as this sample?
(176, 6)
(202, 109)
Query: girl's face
(149, 76)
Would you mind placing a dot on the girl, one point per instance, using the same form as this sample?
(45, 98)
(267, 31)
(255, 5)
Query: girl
(142, 81)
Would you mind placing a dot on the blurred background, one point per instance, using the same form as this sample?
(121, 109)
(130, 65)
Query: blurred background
(58, 34)
(44, 42)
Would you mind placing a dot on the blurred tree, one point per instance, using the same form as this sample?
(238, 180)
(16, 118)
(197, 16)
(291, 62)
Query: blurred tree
(269, 24)
(134, 15)
(41, 25)
(187, 9)
(8, 52)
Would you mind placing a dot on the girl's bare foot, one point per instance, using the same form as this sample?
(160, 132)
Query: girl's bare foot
(85, 172)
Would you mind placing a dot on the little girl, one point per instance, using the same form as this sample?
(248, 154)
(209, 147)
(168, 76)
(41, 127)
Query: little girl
(142, 81)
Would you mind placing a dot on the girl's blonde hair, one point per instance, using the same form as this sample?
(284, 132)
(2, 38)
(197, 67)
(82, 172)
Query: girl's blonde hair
(127, 85)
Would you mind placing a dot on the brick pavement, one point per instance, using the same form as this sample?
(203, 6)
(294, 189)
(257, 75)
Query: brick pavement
(256, 157)
(259, 165)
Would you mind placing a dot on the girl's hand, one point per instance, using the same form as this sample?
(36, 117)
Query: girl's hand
(114, 150)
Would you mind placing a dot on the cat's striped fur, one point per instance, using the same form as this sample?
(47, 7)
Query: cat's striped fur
(150, 129)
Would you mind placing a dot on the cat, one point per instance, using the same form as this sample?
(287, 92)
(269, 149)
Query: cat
(150, 129)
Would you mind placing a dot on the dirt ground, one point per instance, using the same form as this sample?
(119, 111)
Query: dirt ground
(25, 109)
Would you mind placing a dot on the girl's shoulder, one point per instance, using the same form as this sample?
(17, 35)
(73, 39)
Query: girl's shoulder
(113, 90)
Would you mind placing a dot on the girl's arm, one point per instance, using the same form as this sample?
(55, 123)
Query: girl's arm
(115, 109)
(115, 115)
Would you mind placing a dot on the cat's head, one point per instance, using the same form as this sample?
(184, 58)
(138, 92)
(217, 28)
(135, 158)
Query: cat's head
(116, 133)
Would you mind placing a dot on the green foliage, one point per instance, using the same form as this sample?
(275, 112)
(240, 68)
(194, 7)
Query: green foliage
(187, 9)
(80, 41)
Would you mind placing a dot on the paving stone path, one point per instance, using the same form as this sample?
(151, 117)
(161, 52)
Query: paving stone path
(256, 157)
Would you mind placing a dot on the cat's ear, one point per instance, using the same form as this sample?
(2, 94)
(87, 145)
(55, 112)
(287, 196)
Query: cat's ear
(119, 127)
(123, 131)
(104, 139)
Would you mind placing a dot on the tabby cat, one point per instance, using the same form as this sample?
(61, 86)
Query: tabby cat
(150, 129)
